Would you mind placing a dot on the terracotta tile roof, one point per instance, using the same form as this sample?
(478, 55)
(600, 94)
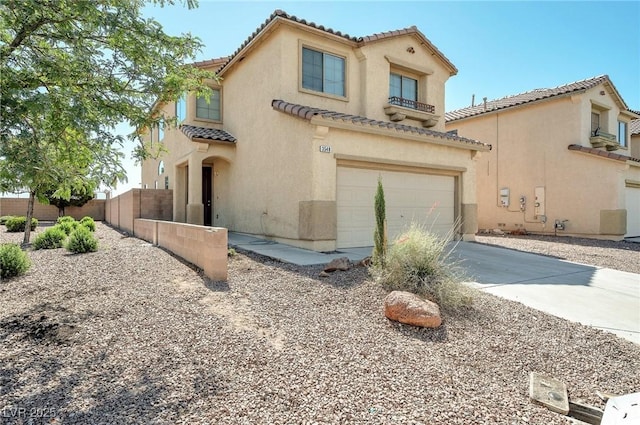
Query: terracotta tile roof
(603, 153)
(193, 132)
(358, 41)
(634, 127)
(308, 112)
(411, 30)
(527, 97)
(209, 62)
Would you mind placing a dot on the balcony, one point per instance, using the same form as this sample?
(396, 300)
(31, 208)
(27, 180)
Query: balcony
(600, 139)
(400, 108)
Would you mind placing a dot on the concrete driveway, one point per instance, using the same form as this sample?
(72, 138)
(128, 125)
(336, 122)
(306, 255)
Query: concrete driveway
(594, 296)
(603, 298)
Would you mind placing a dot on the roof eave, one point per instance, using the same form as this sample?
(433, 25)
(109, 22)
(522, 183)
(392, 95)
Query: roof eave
(392, 132)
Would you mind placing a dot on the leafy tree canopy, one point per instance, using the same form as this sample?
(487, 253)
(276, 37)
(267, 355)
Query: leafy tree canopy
(100, 60)
(71, 71)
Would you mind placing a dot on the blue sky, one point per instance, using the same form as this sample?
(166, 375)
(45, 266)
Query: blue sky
(500, 48)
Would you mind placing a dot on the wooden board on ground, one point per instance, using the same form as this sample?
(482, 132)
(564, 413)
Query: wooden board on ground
(549, 392)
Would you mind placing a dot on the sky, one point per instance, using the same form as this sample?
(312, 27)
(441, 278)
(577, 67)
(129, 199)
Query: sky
(500, 48)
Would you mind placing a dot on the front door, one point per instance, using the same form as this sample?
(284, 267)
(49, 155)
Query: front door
(207, 194)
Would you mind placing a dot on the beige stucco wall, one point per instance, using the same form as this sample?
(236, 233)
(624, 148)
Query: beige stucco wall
(634, 147)
(274, 181)
(530, 149)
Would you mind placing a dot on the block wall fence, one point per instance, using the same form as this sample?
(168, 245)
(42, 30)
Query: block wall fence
(145, 214)
(95, 209)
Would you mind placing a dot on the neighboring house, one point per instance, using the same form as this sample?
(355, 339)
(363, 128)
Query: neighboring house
(304, 121)
(562, 161)
(634, 129)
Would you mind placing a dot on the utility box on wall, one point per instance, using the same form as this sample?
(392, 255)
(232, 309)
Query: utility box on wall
(539, 201)
(504, 197)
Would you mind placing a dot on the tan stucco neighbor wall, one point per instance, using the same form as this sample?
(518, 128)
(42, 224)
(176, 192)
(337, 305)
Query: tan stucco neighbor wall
(530, 155)
(95, 209)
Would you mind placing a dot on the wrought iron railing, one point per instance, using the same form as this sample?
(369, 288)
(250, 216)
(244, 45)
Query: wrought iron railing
(408, 103)
(600, 133)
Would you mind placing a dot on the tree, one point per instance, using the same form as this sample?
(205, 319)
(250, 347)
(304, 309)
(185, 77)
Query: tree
(71, 71)
(380, 231)
(77, 198)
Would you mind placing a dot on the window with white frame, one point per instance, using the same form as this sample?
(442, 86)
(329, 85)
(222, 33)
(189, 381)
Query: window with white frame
(181, 108)
(209, 110)
(323, 72)
(622, 133)
(160, 130)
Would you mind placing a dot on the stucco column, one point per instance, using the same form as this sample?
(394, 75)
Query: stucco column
(195, 208)
(179, 194)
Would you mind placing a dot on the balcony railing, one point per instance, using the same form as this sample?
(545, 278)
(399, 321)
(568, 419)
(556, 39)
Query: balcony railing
(412, 104)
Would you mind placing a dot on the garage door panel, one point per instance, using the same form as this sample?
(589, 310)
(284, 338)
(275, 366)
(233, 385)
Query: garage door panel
(632, 195)
(409, 197)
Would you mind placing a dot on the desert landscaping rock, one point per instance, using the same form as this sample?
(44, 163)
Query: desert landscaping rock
(130, 334)
(410, 309)
(341, 264)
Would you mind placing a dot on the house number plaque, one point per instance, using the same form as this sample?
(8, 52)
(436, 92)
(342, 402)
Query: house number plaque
(325, 149)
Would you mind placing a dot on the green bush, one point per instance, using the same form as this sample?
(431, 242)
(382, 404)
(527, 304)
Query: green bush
(17, 224)
(67, 226)
(51, 238)
(65, 218)
(4, 219)
(82, 240)
(88, 223)
(418, 262)
(13, 261)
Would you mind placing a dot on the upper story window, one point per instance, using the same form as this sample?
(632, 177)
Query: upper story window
(209, 110)
(161, 168)
(403, 87)
(595, 123)
(160, 130)
(323, 72)
(181, 108)
(622, 133)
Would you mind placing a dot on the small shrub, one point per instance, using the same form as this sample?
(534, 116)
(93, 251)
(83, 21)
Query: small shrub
(88, 223)
(17, 224)
(51, 238)
(4, 219)
(418, 262)
(231, 252)
(67, 226)
(82, 240)
(65, 218)
(13, 261)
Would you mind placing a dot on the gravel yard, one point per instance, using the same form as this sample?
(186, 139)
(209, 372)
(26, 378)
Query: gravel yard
(130, 335)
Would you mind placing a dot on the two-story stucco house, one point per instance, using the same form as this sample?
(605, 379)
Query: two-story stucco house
(563, 161)
(304, 121)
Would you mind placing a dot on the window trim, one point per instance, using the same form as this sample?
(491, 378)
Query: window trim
(323, 49)
(625, 143)
(195, 107)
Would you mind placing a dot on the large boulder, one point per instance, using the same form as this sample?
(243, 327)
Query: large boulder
(405, 307)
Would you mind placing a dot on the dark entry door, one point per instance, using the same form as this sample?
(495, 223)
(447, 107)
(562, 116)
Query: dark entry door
(207, 198)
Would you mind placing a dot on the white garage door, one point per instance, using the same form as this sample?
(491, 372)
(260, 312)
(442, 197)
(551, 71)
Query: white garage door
(632, 195)
(423, 198)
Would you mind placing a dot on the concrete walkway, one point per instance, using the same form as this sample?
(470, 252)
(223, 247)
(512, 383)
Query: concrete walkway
(603, 298)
